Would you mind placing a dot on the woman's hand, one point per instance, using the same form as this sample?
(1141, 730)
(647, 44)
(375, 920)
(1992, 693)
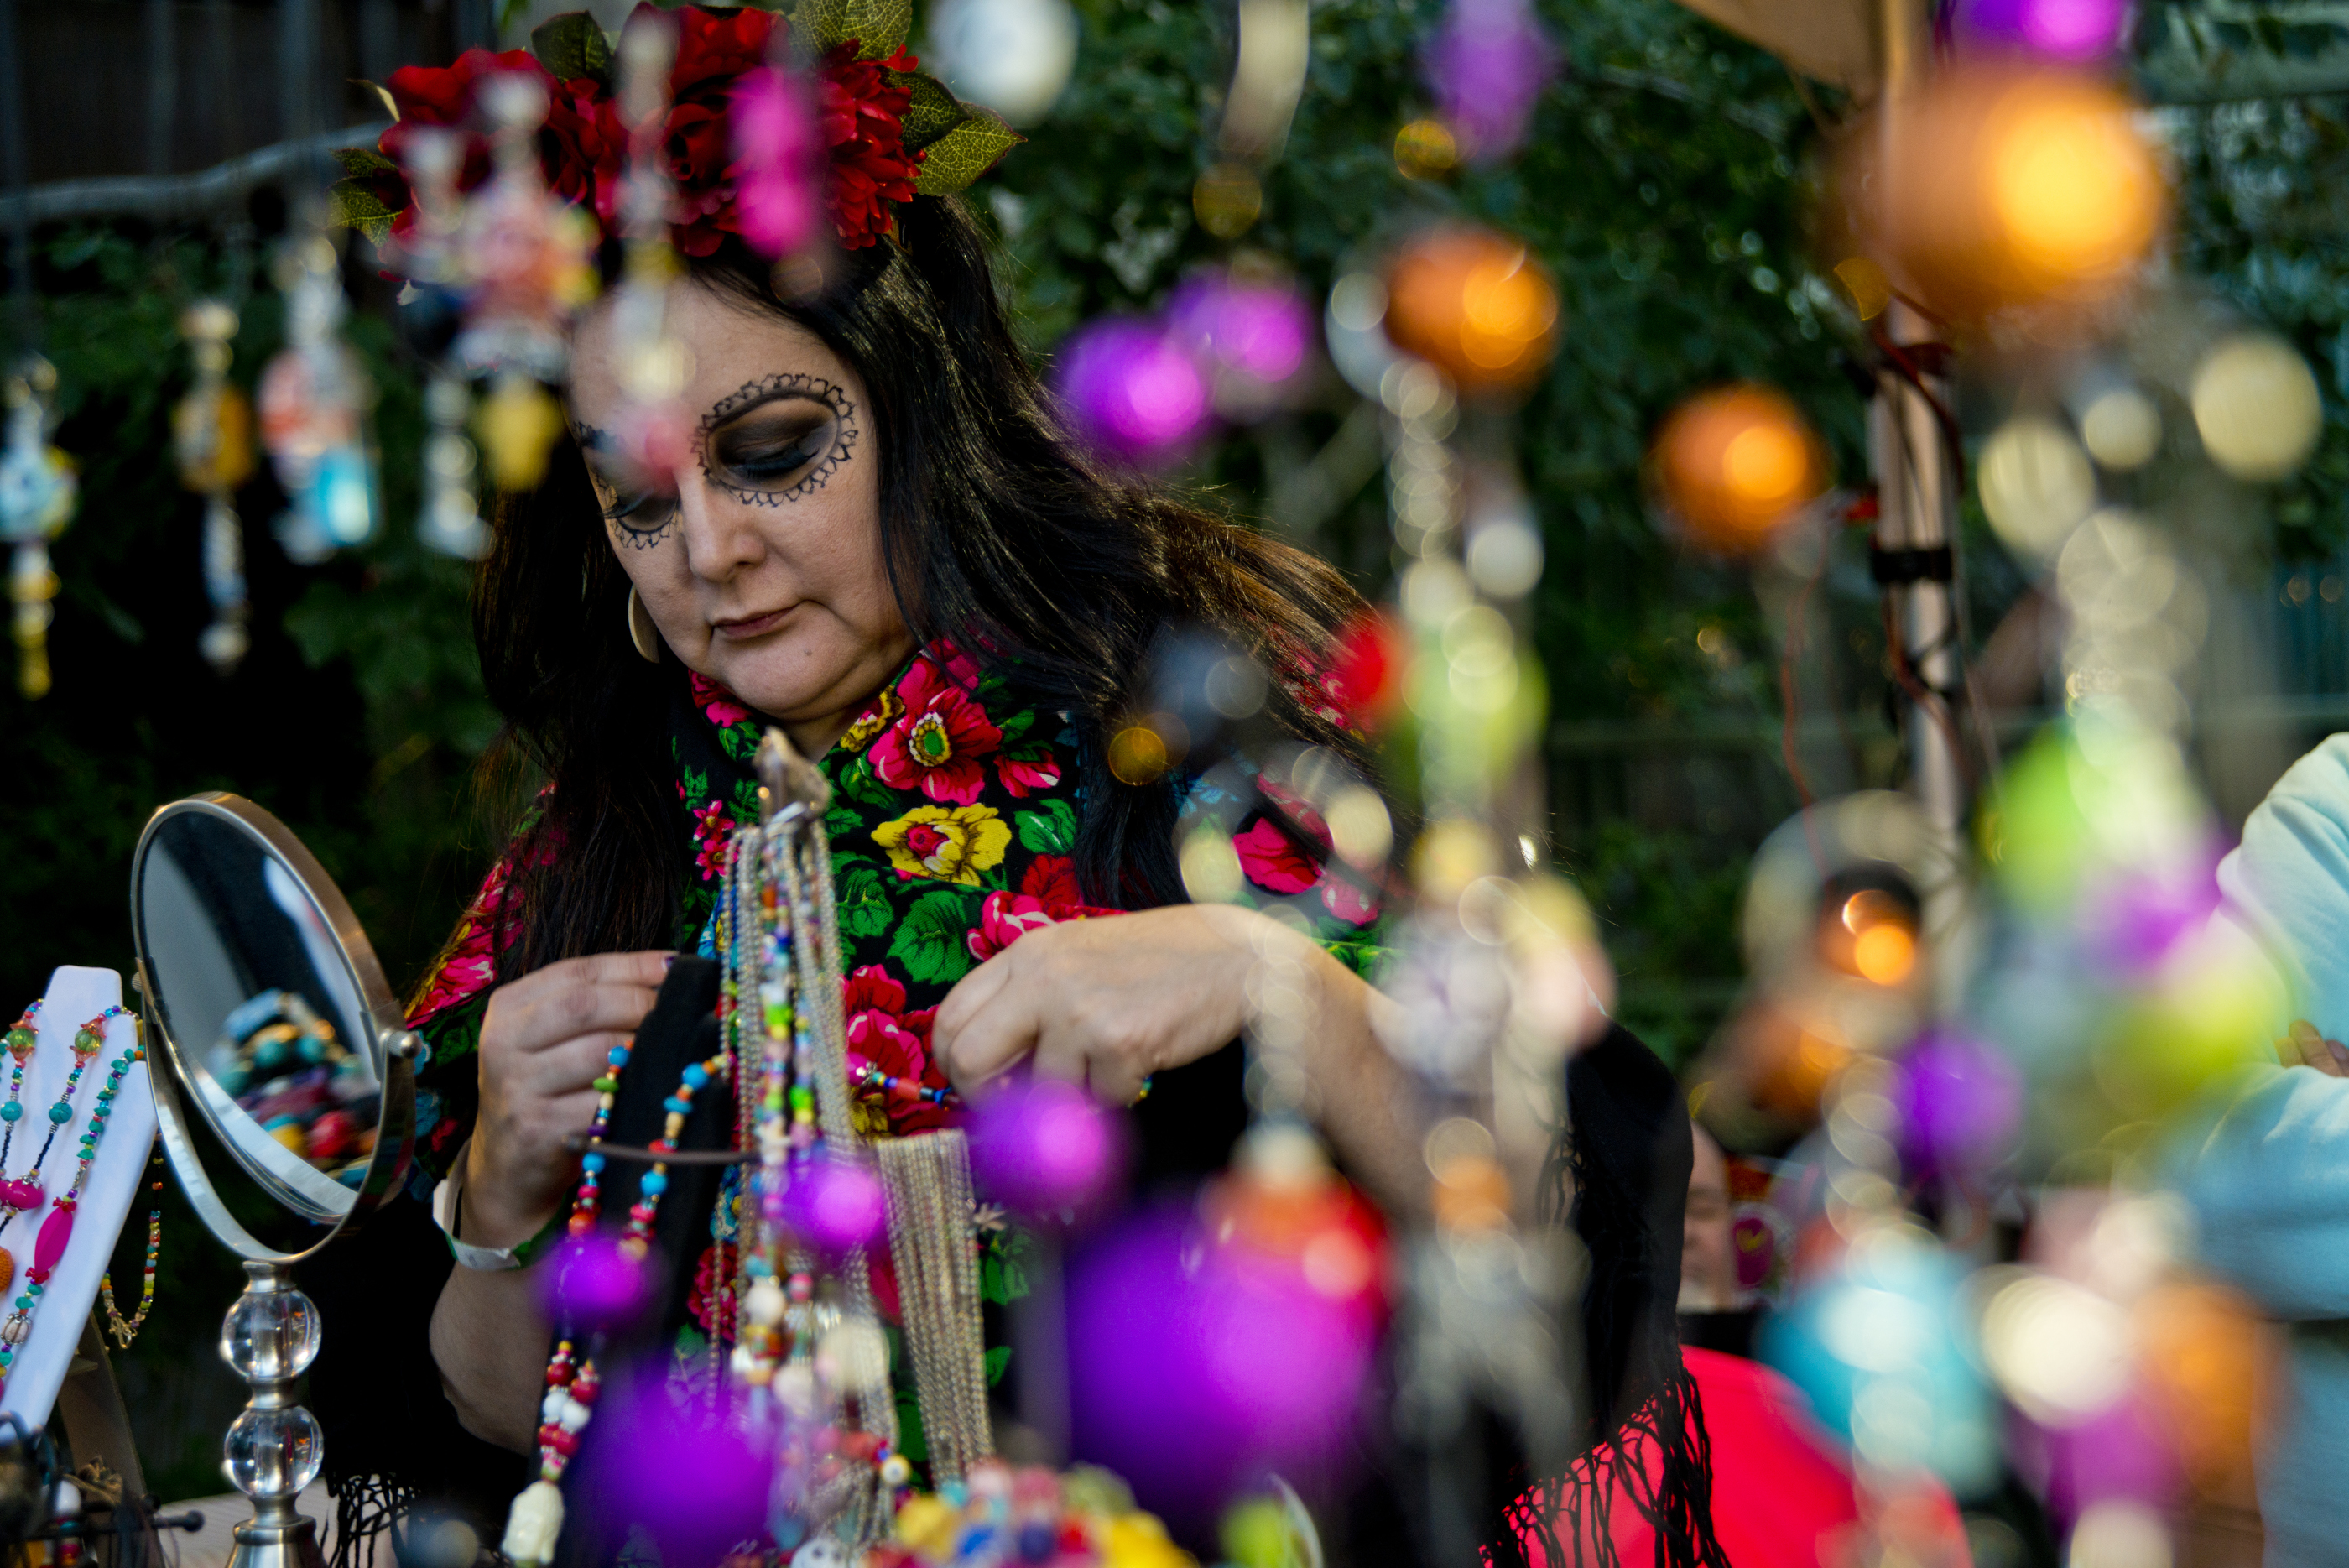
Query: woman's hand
(2304, 1046)
(1106, 1001)
(545, 1039)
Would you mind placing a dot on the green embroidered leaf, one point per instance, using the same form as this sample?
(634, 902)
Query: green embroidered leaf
(963, 154)
(746, 800)
(879, 27)
(932, 112)
(863, 902)
(1001, 1280)
(572, 45)
(363, 161)
(857, 783)
(929, 940)
(1016, 726)
(997, 1360)
(353, 204)
(696, 786)
(841, 822)
(1051, 831)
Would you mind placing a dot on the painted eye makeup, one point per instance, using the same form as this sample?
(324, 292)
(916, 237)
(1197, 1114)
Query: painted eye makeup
(777, 438)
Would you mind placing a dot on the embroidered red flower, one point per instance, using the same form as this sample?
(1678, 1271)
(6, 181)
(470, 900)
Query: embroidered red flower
(1026, 778)
(1273, 860)
(939, 743)
(1048, 894)
(713, 1279)
(882, 1032)
(719, 706)
(711, 827)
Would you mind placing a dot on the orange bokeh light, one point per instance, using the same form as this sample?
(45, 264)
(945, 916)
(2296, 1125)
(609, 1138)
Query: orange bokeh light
(1474, 304)
(1735, 463)
(1997, 187)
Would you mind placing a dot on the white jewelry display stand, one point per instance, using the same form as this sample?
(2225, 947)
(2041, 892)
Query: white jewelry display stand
(75, 996)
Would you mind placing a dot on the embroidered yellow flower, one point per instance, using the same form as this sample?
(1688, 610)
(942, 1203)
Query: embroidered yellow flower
(885, 710)
(952, 844)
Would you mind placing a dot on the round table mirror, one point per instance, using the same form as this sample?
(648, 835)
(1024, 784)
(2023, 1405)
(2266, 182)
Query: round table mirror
(270, 1018)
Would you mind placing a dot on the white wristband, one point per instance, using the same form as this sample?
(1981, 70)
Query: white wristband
(447, 1199)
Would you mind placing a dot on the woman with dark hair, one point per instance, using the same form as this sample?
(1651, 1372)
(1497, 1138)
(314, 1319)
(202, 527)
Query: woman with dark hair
(881, 541)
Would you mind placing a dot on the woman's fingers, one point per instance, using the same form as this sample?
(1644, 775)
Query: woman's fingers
(572, 1065)
(552, 1018)
(982, 1036)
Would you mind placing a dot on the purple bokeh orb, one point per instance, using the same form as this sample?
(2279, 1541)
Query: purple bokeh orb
(2120, 1454)
(593, 1283)
(1044, 1147)
(1131, 390)
(1195, 1369)
(2074, 32)
(1488, 64)
(1959, 1102)
(1255, 328)
(834, 1205)
(689, 1472)
(2137, 921)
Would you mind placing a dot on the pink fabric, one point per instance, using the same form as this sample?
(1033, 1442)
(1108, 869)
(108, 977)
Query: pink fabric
(1782, 1491)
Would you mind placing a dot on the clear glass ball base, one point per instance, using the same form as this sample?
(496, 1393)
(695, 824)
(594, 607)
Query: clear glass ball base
(272, 1453)
(270, 1333)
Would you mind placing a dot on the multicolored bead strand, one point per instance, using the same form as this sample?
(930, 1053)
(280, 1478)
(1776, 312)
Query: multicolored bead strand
(870, 1080)
(57, 1230)
(637, 1239)
(23, 1037)
(124, 1329)
(22, 1194)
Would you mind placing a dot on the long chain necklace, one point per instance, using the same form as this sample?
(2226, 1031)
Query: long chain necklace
(124, 1329)
(57, 1230)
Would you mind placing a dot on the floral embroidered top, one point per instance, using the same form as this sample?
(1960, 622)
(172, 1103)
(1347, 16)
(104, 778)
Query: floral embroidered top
(954, 816)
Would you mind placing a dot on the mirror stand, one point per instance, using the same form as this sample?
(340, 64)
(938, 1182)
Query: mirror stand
(275, 1448)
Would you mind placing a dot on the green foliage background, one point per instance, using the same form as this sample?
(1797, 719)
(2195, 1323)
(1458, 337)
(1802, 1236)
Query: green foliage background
(1665, 187)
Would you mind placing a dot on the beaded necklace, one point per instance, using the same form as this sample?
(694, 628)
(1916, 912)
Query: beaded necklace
(124, 1329)
(57, 1230)
(571, 1381)
(24, 1194)
(23, 1037)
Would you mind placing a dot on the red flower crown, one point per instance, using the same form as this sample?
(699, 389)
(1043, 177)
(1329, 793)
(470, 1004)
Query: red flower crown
(892, 132)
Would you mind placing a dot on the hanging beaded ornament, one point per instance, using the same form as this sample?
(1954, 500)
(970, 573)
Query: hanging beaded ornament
(212, 435)
(37, 490)
(125, 1329)
(313, 401)
(57, 1230)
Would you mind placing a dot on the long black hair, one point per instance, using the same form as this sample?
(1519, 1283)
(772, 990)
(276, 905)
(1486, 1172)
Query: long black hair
(1618, 1172)
(996, 529)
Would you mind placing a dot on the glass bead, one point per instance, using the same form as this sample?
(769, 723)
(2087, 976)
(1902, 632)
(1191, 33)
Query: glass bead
(85, 1042)
(270, 1333)
(273, 1453)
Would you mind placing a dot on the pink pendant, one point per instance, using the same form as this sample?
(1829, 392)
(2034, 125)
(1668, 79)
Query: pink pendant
(56, 1231)
(21, 1195)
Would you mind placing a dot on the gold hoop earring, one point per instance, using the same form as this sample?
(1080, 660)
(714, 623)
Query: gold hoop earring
(642, 632)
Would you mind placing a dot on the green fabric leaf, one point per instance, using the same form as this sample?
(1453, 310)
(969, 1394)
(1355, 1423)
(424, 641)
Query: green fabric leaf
(963, 154)
(1001, 1280)
(364, 160)
(932, 112)
(1049, 831)
(929, 940)
(997, 1360)
(353, 204)
(857, 783)
(843, 822)
(572, 45)
(879, 27)
(1015, 726)
(696, 786)
(863, 899)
